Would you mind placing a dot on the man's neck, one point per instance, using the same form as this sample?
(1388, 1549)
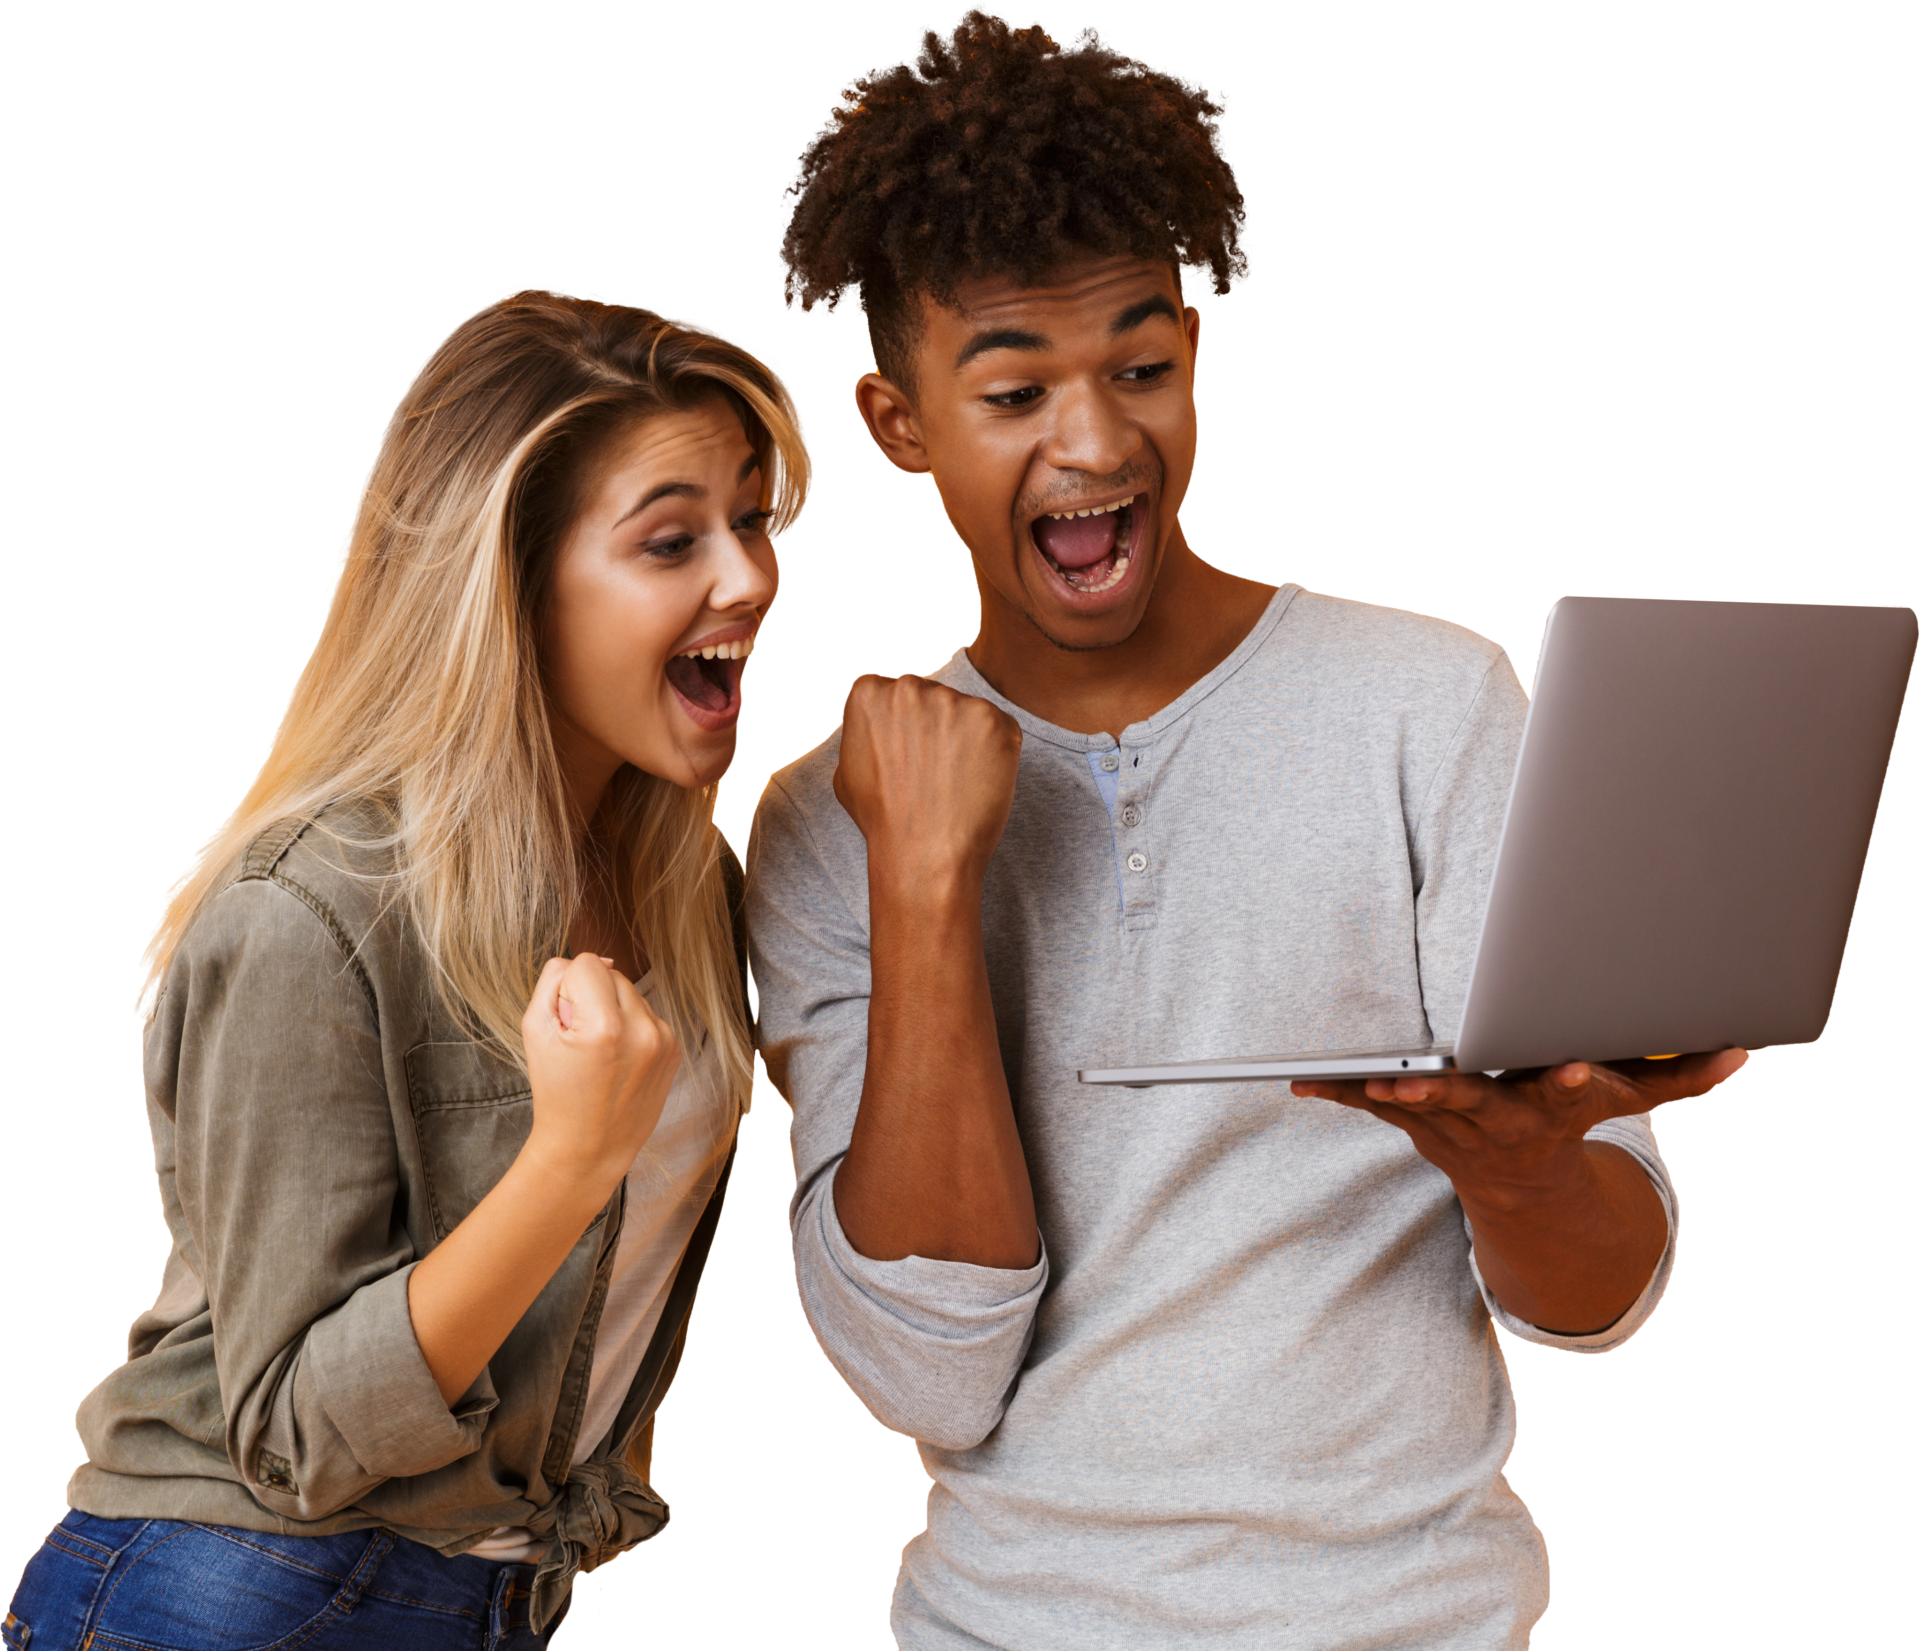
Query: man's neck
(1198, 615)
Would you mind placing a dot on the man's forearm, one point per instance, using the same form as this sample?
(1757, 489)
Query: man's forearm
(1572, 1251)
(936, 1167)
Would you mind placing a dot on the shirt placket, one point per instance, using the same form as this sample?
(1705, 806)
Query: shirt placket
(1133, 838)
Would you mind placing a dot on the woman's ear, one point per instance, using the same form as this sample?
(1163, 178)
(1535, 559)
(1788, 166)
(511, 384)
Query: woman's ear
(892, 422)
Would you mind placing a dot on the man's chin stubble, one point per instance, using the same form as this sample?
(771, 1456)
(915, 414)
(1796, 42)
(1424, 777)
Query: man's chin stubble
(1066, 647)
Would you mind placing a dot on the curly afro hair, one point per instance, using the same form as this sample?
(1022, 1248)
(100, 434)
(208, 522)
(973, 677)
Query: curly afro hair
(1001, 155)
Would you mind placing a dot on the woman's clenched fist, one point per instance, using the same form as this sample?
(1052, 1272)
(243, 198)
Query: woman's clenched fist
(601, 1063)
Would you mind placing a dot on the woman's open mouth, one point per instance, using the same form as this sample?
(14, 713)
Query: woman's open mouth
(707, 680)
(1092, 549)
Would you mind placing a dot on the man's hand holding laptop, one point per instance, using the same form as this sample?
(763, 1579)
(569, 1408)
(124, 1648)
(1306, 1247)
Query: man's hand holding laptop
(1566, 1231)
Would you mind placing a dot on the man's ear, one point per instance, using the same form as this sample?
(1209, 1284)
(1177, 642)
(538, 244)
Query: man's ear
(892, 422)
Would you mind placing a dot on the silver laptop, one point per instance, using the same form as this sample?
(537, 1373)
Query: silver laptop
(1695, 790)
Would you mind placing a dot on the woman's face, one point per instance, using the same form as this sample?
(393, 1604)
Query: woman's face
(658, 588)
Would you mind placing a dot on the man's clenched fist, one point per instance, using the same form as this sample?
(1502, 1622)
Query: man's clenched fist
(928, 776)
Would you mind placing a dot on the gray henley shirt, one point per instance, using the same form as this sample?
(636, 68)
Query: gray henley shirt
(1251, 1395)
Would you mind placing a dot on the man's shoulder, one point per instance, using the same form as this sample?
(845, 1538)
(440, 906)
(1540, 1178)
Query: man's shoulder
(802, 792)
(804, 786)
(1381, 658)
(1392, 636)
(801, 834)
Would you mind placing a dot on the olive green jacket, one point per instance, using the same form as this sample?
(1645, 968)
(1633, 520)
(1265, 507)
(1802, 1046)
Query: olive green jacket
(319, 1124)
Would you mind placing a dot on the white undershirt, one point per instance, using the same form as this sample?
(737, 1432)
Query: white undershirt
(667, 1190)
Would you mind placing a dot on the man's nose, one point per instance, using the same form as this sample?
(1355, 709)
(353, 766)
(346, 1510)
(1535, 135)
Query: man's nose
(1090, 432)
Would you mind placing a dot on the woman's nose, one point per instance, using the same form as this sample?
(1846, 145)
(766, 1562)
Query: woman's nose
(745, 579)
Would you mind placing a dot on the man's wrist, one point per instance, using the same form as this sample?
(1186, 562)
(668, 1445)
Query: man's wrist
(928, 885)
(1571, 1259)
(1519, 1185)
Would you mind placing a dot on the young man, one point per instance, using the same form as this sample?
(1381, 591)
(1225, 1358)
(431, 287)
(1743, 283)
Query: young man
(1199, 1367)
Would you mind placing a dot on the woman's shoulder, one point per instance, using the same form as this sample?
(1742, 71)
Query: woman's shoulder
(325, 881)
(311, 914)
(344, 858)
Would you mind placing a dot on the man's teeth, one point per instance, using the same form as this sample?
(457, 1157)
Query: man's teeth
(722, 650)
(1119, 572)
(1100, 510)
(1121, 559)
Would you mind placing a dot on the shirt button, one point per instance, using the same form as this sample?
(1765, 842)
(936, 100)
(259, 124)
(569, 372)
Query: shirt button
(1109, 763)
(1130, 815)
(1136, 861)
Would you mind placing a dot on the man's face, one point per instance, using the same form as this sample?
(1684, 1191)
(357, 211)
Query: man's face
(1058, 422)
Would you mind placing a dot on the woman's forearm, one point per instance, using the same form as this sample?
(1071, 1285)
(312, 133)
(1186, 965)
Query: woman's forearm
(600, 1064)
(471, 1289)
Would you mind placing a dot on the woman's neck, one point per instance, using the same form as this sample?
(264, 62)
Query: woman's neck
(598, 925)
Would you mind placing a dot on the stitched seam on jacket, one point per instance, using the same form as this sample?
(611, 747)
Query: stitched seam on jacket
(270, 848)
(324, 912)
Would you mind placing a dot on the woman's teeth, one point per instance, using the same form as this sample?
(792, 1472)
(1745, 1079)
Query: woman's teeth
(722, 650)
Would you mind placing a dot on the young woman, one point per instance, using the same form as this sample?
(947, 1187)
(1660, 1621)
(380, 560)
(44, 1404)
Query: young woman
(450, 1043)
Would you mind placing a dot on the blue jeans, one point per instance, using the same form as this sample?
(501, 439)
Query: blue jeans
(161, 1585)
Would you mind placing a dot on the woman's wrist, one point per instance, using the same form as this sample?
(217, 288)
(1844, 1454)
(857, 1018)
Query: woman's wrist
(564, 1176)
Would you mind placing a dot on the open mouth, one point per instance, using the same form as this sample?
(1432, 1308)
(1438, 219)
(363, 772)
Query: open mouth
(1091, 549)
(707, 679)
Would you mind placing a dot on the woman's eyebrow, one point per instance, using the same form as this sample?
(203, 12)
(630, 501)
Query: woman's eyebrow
(685, 490)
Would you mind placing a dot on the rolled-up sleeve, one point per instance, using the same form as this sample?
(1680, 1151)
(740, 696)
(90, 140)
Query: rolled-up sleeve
(1634, 1136)
(266, 1053)
(933, 1348)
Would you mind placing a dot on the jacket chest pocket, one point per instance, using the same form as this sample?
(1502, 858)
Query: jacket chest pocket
(472, 1112)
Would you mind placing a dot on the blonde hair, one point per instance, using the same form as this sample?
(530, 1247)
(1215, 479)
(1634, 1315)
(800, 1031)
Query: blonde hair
(425, 694)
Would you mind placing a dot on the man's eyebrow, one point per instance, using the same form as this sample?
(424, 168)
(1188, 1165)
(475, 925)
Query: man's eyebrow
(686, 490)
(1134, 314)
(1000, 338)
(1013, 338)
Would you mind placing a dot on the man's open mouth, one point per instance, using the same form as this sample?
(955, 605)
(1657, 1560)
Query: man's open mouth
(1090, 549)
(708, 679)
